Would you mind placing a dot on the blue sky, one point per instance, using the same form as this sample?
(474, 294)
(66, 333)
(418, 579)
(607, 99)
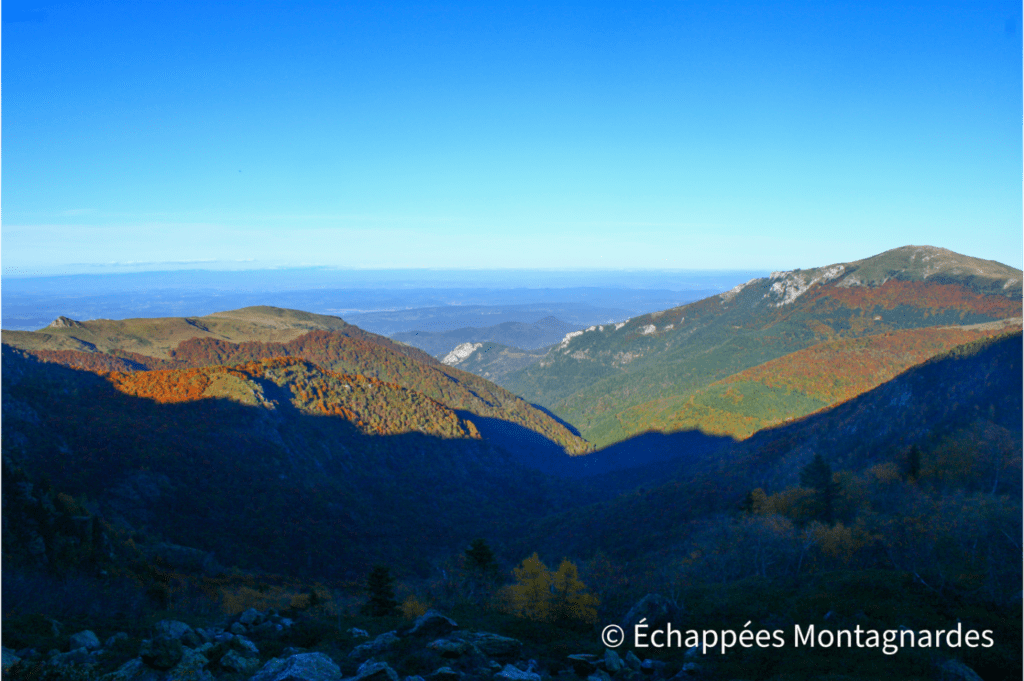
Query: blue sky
(153, 135)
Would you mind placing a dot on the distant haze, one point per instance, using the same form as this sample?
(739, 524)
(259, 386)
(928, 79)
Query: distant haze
(364, 297)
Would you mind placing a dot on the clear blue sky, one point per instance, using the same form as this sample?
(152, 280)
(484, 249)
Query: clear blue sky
(158, 135)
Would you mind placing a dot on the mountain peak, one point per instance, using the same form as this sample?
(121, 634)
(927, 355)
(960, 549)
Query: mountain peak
(906, 263)
(918, 263)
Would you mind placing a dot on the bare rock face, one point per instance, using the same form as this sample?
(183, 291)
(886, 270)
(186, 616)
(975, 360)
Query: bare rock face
(64, 323)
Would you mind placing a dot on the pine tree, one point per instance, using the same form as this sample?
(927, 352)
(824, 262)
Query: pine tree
(817, 475)
(380, 587)
(480, 558)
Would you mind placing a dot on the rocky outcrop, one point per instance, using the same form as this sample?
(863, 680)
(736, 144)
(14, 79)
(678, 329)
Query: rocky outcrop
(63, 322)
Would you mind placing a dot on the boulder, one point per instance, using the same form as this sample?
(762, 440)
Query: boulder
(433, 624)
(244, 647)
(498, 647)
(251, 617)
(444, 674)
(355, 632)
(510, 673)
(237, 628)
(180, 631)
(115, 639)
(161, 652)
(446, 647)
(375, 671)
(657, 610)
(302, 667)
(632, 661)
(600, 675)
(583, 664)
(374, 647)
(84, 639)
(172, 628)
(189, 668)
(613, 664)
(231, 661)
(76, 656)
(133, 670)
(652, 666)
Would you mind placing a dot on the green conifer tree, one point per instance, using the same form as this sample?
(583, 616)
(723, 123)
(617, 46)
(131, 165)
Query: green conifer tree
(380, 589)
(480, 558)
(817, 475)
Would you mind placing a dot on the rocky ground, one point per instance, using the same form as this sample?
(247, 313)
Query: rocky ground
(238, 648)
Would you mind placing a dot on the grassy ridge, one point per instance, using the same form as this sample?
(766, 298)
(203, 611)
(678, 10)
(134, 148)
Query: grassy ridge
(801, 382)
(253, 334)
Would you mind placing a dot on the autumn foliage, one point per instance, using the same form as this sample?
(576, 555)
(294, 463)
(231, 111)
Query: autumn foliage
(540, 594)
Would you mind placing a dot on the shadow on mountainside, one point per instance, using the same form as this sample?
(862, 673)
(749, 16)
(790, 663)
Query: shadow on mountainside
(277, 489)
(644, 459)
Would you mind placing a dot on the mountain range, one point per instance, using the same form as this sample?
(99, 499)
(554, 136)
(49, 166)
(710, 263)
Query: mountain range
(656, 370)
(539, 334)
(837, 444)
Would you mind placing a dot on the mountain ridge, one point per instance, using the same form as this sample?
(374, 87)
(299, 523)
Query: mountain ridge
(591, 378)
(327, 341)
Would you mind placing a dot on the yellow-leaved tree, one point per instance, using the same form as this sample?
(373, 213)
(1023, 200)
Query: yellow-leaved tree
(570, 598)
(540, 594)
(530, 596)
